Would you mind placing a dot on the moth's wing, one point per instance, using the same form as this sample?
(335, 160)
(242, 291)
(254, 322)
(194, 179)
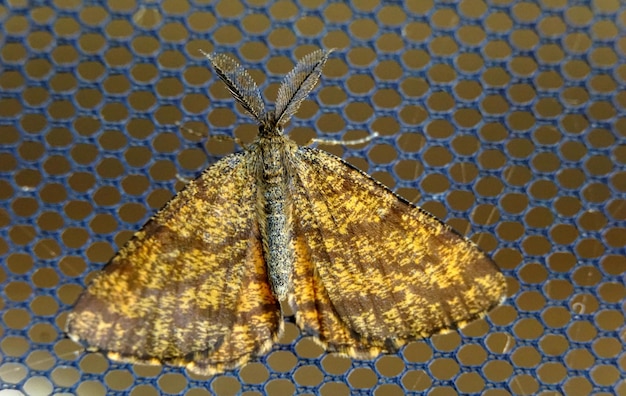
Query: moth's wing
(190, 288)
(374, 271)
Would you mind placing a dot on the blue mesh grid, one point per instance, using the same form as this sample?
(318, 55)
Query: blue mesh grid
(505, 118)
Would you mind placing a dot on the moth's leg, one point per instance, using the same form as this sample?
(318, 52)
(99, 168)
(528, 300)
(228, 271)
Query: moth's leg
(219, 138)
(337, 142)
(228, 138)
(190, 131)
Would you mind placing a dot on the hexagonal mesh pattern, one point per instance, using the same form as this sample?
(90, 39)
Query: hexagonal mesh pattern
(504, 118)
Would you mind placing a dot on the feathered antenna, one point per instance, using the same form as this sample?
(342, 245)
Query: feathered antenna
(239, 83)
(297, 85)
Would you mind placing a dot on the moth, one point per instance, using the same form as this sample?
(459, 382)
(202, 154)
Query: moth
(201, 284)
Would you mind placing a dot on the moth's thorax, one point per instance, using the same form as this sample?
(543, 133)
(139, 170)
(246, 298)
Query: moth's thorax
(275, 153)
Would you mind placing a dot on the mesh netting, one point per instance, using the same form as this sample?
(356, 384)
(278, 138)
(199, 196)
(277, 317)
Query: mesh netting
(504, 118)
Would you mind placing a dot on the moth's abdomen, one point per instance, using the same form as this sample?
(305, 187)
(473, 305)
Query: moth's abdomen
(279, 254)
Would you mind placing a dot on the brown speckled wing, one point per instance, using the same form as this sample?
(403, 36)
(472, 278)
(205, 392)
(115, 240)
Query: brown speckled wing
(190, 288)
(373, 271)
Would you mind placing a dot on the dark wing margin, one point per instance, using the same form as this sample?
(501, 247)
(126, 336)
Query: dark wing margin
(190, 288)
(373, 271)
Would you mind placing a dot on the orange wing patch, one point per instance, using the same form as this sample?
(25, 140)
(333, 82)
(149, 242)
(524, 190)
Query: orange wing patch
(190, 288)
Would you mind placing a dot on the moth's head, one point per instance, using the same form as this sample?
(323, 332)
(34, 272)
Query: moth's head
(269, 125)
